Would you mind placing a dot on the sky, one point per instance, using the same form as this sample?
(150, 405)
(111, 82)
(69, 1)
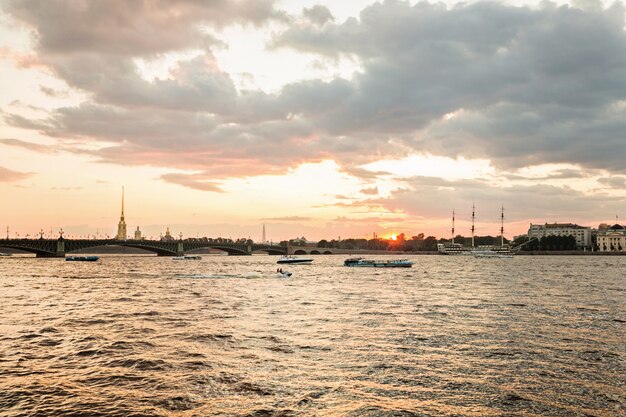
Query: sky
(320, 119)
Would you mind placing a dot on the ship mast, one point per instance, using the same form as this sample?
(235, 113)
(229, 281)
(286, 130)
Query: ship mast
(473, 216)
(452, 225)
(502, 227)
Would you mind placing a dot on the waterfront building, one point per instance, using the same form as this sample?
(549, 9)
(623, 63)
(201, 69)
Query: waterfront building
(137, 234)
(582, 234)
(121, 226)
(612, 239)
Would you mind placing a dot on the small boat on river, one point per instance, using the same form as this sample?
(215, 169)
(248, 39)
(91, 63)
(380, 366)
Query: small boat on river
(187, 258)
(294, 260)
(82, 258)
(375, 263)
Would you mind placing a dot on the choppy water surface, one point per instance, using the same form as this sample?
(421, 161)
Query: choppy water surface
(224, 336)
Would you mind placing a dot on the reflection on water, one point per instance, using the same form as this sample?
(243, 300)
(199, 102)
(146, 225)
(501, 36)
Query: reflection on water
(224, 336)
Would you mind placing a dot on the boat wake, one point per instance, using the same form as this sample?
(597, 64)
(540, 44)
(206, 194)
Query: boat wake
(246, 275)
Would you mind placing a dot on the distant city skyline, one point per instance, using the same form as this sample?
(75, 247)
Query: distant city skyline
(316, 118)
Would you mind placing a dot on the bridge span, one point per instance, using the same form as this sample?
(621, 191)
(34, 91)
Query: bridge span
(57, 248)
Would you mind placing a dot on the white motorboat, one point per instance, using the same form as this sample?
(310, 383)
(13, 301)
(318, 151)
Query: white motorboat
(284, 274)
(187, 258)
(82, 258)
(294, 260)
(4, 254)
(376, 263)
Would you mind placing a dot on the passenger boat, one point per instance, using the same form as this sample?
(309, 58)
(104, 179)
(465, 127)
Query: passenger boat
(187, 258)
(395, 263)
(294, 260)
(480, 251)
(82, 258)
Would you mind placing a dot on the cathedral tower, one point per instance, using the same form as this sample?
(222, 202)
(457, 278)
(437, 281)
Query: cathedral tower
(121, 226)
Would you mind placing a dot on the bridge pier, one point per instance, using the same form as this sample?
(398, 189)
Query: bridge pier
(59, 251)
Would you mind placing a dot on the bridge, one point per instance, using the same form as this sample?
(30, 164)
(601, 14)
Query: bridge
(57, 248)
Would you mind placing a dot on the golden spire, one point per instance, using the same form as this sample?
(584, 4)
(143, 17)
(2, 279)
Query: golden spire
(122, 203)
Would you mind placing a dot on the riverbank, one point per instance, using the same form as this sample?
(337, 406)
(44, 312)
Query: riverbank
(570, 252)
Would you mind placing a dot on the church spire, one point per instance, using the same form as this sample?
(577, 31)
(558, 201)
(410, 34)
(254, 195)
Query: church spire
(121, 226)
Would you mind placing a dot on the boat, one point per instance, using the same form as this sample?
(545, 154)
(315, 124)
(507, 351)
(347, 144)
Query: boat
(287, 259)
(376, 263)
(449, 248)
(187, 258)
(4, 254)
(284, 274)
(480, 251)
(82, 258)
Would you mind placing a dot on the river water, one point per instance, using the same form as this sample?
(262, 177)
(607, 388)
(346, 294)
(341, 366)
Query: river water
(224, 336)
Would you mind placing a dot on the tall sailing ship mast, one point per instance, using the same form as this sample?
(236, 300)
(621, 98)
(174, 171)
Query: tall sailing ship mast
(452, 226)
(452, 248)
(502, 226)
(473, 217)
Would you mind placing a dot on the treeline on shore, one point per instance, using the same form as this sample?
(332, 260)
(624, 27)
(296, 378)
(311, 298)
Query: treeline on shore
(417, 243)
(548, 243)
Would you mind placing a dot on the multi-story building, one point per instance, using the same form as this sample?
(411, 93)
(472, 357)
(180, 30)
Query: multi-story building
(612, 239)
(582, 234)
(138, 234)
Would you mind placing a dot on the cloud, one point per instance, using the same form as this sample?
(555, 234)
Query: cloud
(369, 191)
(31, 146)
(564, 173)
(318, 14)
(616, 182)
(66, 188)
(519, 86)
(370, 220)
(8, 175)
(537, 202)
(196, 183)
(118, 27)
(288, 219)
